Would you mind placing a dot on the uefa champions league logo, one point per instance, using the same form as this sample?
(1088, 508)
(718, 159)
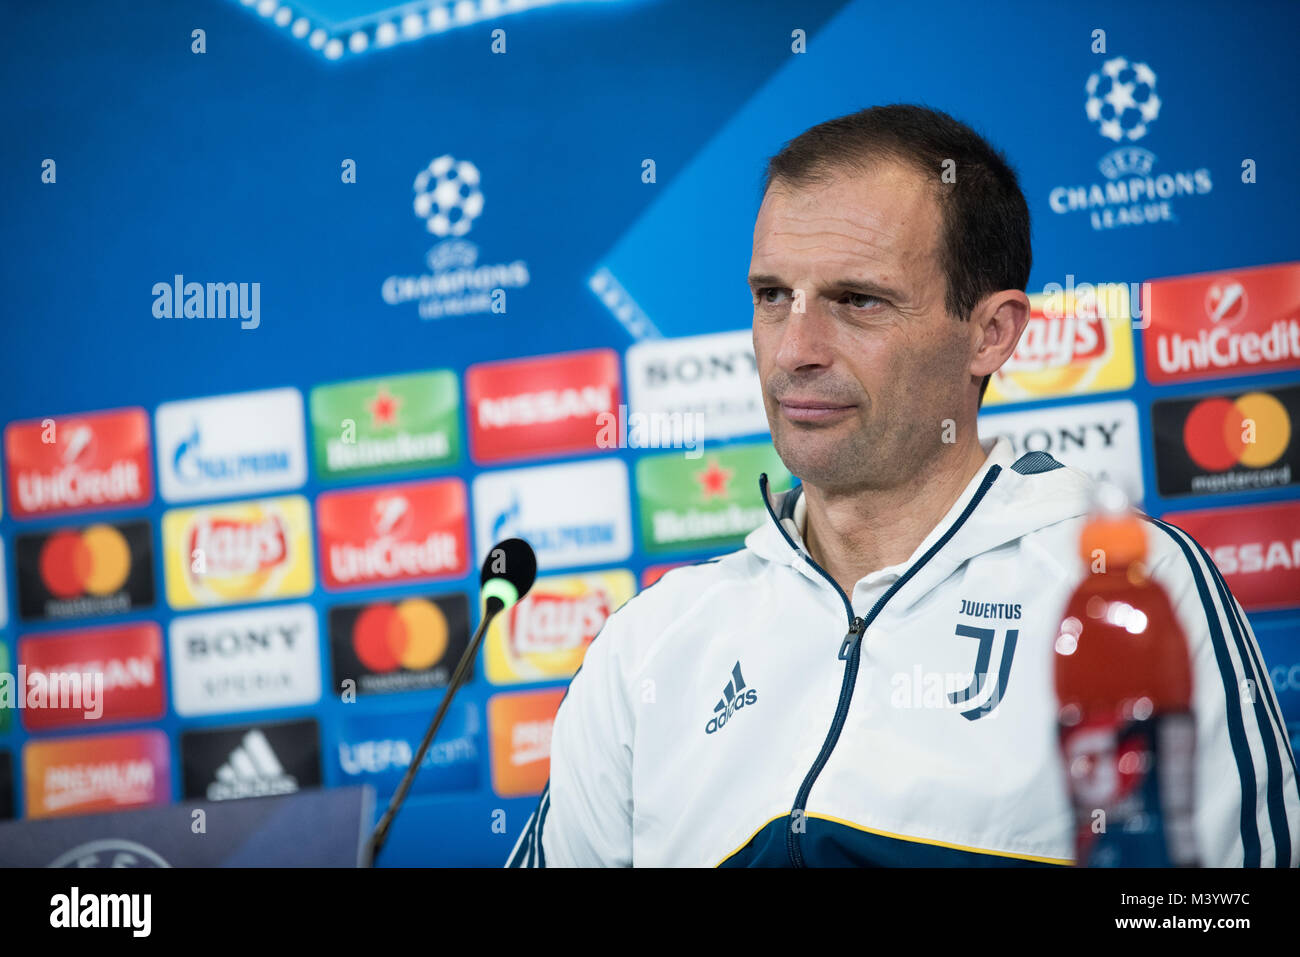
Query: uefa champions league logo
(447, 196)
(1122, 99)
(110, 852)
(448, 200)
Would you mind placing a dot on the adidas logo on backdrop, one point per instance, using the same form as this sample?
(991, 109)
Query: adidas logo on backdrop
(735, 695)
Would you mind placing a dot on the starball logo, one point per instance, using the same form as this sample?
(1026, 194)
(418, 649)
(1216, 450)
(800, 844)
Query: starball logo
(448, 199)
(1121, 101)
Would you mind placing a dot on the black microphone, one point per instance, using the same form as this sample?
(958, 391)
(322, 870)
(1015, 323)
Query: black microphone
(508, 572)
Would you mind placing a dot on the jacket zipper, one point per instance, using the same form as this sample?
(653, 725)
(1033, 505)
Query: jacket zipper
(851, 650)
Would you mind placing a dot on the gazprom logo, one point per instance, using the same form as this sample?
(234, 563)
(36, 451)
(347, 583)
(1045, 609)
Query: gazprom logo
(238, 444)
(192, 467)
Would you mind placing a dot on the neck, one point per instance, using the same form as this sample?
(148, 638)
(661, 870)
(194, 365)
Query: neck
(851, 534)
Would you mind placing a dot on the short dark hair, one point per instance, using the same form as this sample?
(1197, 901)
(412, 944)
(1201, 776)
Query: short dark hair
(984, 244)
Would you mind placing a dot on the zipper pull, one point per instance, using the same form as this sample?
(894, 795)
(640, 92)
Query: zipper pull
(851, 639)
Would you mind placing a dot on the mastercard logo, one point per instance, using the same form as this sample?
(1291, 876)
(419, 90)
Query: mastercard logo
(412, 634)
(1252, 430)
(93, 561)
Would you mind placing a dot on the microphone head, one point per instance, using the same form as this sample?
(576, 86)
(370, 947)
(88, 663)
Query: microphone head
(508, 571)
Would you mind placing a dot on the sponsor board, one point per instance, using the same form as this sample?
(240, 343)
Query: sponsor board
(715, 375)
(708, 502)
(525, 408)
(1233, 442)
(238, 552)
(572, 514)
(376, 749)
(405, 644)
(396, 533)
(1238, 322)
(231, 445)
(385, 425)
(245, 660)
(251, 760)
(1256, 547)
(6, 786)
(656, 572)
(1279, 648)
(122, 662)
(1078, 341)
(94, 773)
(86, 571)
(74, 463)
(545, 634)
(519, 724)
(1099, 439)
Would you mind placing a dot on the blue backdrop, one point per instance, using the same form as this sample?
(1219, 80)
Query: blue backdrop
(226, 166)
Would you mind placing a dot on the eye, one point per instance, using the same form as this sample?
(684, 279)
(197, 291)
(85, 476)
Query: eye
(861, 300)
(763, 296)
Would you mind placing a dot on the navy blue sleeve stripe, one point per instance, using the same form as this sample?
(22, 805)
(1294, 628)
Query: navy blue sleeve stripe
(542, 811)
(524, 855)
(1236, 726)
(520, 856)
(1240, 630)
(1265, 717)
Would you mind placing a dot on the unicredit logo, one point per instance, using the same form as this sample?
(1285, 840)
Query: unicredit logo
(393, 534)
(97, 460)
(389, 558)
(73, 487)
(1225, 301)
(1208, 324)
(1221, 348)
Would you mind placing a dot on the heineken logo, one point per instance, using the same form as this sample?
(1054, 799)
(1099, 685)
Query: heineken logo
(708, 502)
(374, 426)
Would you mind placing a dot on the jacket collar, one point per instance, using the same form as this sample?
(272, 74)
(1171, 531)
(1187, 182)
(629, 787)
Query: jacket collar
(1022, 495)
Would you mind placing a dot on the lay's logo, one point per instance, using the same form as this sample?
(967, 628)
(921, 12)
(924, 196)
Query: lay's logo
(545, 635)
(240, 552)
(1077, 341)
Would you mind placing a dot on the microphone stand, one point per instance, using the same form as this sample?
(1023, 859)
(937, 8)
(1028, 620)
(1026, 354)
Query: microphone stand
(492, 607)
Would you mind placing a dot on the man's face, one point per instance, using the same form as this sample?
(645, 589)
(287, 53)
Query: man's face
(857, 386)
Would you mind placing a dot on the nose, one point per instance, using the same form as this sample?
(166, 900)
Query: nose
(805, 342)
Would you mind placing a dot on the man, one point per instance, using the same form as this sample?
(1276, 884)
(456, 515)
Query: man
(769, 707)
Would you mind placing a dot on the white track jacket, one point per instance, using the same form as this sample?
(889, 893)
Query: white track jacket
(746, 712)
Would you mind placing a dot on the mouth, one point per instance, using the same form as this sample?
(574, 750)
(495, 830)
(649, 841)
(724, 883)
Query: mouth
(813, 410)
